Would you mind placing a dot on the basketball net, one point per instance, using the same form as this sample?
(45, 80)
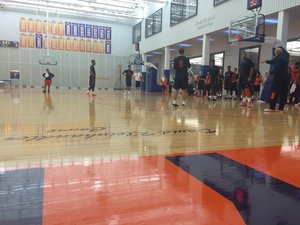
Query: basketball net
(235, 39)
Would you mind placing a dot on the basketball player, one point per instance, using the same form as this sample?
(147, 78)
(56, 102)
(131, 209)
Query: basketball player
(92, 80)
(181, 65)
(138, 77)
(245, 78)
(128, 77)
(48, 80)
(214, 73)
(228, 79)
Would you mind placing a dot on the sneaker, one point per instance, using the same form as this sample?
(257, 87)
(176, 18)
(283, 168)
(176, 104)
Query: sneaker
(48, 91)
(280, 110)
(94, 95)
(243, 104)
(208, 99)
(269, 110)
(125, 93)
(175, 104)
(44, 91)
(249, 104)
(183, 106)
(88, 94)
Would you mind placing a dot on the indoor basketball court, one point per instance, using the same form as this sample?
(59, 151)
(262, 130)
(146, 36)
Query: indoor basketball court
(71, 158)
(68, 159)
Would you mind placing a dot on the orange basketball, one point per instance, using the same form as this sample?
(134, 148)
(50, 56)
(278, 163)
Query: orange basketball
(239, 37)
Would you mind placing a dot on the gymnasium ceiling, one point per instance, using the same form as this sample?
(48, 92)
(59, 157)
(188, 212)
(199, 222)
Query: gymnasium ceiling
(119, 11)
(110, 10)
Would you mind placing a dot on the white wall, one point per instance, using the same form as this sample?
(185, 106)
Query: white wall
(73, 68)
(216, 18)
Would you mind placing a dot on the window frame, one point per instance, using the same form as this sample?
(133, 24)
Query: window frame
(136, 38)
(175, 4)
(155, 23)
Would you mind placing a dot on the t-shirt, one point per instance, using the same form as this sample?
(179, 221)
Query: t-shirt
(245, 67)
(92, 68)
(181, 65)
(295, 74)
(228, 76)
(258, 79)
(164, 80)
(214, 72)
(137, 76)
(128, 74)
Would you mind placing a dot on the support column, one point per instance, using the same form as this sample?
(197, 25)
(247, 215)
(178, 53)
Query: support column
(205, 54)
(144, 73)
(282, 27)
(167, 62)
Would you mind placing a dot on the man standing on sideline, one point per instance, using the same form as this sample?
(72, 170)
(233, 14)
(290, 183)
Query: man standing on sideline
(228, 79)
(280, 84)
(214, 73)
(128, 76)
(181, 65)
(48, 80)
(92, 79)
(245, 78)
(138, 77)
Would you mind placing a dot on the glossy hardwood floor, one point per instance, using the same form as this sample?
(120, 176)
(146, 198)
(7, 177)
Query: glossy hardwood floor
(70, 159)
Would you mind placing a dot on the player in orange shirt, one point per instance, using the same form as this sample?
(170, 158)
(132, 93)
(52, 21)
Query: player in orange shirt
(295, 72)
(164, 81)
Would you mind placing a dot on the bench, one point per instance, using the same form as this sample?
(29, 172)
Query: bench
(3, 82)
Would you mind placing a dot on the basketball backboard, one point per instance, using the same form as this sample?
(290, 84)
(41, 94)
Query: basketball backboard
(250, 27)
(48, 60)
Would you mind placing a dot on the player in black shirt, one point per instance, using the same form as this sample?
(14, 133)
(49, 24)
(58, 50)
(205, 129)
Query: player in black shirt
(181, 65)
(214, 73)
(245, 78)
(228, 78)
(128, 77)
(92, 79)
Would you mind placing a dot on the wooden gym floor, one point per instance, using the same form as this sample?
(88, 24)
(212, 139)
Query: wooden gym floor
(115, 159)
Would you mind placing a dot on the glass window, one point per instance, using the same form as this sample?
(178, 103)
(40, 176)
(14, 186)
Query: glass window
(293, 47)
(153, 23)
(253, 53)
(182, 10)
(219, 60)
(218, 2)
(136, 33)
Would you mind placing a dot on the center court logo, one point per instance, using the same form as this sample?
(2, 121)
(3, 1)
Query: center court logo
(99, 132)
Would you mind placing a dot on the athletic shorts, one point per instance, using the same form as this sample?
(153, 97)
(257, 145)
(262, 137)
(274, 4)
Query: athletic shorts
(137, 83)
(128, 82)
(48, 82)
(92, 80)
(243, 82)
(233, 86)
(256, 88)
(181, 82)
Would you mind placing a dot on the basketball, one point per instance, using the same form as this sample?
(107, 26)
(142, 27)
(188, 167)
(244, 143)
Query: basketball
(239, 37)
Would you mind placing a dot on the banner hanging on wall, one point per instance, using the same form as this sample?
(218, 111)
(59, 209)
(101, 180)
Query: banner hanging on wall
(65, 36)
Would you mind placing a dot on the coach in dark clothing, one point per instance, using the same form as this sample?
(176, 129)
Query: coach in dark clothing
(280, 84)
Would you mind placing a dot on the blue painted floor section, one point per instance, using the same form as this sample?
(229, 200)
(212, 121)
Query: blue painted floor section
(21, 197)
(259, 198)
